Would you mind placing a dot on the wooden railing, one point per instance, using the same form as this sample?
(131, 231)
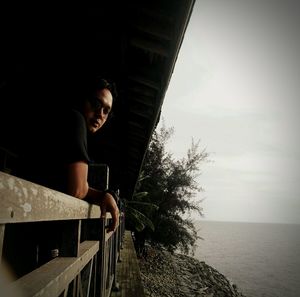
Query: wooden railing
(55, 244)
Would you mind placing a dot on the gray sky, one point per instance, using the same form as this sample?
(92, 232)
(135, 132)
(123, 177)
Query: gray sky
(236, 87)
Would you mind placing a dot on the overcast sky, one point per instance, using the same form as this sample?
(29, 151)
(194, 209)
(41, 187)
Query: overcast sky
(236, 87)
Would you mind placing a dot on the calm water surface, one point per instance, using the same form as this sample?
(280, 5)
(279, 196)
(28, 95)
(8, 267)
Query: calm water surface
(262, 259)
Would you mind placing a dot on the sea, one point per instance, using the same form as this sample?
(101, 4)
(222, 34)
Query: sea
(262, 259)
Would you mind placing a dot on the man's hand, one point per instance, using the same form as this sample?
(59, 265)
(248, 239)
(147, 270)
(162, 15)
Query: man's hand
(108, 203)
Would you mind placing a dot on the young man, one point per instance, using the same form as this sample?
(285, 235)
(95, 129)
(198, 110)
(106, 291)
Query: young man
(95, 112)
(58, 157)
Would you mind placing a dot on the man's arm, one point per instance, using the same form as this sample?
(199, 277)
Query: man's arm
(79, 188)
(107, 203)
(77, 179)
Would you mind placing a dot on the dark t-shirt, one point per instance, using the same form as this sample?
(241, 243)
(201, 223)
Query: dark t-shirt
(61, 141)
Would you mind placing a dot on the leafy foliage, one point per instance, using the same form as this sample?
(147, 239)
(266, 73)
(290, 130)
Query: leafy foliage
(171, 186)
(136, 220)
(136, 211)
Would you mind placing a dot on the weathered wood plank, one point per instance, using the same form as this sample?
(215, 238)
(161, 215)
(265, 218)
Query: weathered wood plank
(2, 232)
(24, 201)
(52, 278)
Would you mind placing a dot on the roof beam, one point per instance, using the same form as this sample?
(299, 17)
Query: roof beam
(150, 46)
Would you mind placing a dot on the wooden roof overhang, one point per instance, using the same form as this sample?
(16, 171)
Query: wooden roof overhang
(135, 43)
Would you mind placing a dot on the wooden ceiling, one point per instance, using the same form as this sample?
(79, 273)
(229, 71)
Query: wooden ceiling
(48, 49)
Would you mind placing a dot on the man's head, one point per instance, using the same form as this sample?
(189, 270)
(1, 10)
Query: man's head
(98, 104)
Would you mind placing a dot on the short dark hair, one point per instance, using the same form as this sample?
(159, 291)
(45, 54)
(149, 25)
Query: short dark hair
(87, 87)
(99, 83)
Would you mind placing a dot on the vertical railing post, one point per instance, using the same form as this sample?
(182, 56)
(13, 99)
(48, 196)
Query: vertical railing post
(115, 258)
(102, 244)
(119, 238)
(109, 262)
(2, 231)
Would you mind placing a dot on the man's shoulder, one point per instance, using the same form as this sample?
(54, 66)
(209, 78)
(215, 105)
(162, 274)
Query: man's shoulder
(76, 119)
(70, 119)
(73, 114)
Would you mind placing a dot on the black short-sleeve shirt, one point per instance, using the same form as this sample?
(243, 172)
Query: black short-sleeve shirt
(75, 143)
(62, 141)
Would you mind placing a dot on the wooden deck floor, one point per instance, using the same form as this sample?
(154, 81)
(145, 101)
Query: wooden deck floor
(128, 271)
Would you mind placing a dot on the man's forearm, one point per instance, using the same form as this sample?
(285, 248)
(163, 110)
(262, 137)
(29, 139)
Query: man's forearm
(94, 196)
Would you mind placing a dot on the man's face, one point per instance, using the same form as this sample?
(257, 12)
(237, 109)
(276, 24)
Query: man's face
(97, 109)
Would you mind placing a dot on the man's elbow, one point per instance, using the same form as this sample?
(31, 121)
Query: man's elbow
(79, 192)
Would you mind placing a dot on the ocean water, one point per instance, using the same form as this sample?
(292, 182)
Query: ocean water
(263, 260)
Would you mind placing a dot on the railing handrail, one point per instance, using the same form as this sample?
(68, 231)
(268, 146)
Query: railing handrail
(24, 201)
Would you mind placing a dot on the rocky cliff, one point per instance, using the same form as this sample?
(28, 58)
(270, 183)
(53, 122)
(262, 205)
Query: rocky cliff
(176, 275)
